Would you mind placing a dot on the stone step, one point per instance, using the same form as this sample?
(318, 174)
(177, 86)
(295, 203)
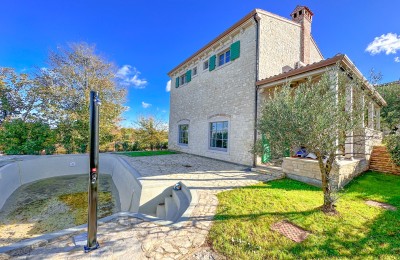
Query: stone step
(160, 211)
(269, 170)
(170, 209)
(381, 161)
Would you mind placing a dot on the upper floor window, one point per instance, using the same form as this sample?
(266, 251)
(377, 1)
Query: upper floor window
(224, 57)
(194, 71)
(205, 65)
(182, 79)
(219, 135)
(183, 134)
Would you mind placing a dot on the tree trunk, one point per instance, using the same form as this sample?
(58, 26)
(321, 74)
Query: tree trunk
(329, 201)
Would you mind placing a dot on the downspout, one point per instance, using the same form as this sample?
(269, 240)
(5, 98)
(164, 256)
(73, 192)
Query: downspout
(257, 19)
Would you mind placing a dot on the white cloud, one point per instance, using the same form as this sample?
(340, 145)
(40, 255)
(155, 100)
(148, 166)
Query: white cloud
(145, 105)
(129, 76)
(168, 87)
(388, 43)
(396, 59)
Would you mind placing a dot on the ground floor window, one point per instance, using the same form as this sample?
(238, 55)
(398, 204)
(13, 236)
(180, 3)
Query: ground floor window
(183, 134)
(219, 135)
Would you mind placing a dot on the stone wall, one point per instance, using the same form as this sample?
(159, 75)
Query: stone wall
(307, 170)
(224, 94)
(279, 44)
(315, 54)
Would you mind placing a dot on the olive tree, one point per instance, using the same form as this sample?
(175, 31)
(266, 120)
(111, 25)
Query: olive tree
(316, 114)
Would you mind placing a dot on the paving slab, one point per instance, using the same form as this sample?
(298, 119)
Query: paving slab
(382, 205)
(291, 231)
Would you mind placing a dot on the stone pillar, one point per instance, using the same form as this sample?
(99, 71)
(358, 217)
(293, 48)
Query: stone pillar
(349, 141)
(363, 110)
(334, 78)
(371, 115)
(378, 118)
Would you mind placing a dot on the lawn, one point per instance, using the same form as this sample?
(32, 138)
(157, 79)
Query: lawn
(147, 153)
(241, 227)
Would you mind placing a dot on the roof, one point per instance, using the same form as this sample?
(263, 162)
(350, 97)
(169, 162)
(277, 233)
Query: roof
(341, 58)
(301, 70)
(301, 7)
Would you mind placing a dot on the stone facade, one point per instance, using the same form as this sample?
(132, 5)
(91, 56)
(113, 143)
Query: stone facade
(228, 93)
(224, 94)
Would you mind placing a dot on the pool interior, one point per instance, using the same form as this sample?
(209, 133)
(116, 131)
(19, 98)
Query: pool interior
(53, 204)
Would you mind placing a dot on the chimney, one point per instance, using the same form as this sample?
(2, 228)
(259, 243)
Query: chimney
(303, 16)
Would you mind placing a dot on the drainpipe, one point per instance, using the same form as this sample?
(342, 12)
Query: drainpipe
(257, 19)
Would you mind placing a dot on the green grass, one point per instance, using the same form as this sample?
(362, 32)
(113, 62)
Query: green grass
(241, 227)
(147, 153)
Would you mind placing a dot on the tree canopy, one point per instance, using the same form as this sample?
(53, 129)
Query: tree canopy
(58, 96)
(390, 114)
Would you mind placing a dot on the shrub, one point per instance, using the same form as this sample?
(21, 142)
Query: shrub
(393, 147)
(19, 137)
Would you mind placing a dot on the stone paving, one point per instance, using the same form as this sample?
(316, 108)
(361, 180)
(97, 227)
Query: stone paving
(133, 238)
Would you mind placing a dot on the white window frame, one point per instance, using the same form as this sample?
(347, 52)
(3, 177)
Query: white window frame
(208, 64)
(179, 134)
(210, 132)
(182, 79)
(224, 55)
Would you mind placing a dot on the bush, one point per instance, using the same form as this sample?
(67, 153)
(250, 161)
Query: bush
(393, 147)
(136, 146)
(19, 137)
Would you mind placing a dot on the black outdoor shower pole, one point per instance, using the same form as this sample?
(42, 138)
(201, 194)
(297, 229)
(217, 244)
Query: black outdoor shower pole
(92, 243)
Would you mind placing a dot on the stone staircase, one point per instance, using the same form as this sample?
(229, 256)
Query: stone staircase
(173, 206)
(380, 161)
(273, 171)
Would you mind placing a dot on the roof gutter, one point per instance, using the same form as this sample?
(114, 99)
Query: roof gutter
(256, 87)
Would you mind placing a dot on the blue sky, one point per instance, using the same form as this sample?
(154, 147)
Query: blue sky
(146, 39)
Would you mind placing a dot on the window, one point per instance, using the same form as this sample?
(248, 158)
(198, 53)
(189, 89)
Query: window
(224, 57)
(194, 71)
(205, 65)
(183, 134)
(219, 135)
(182, 79)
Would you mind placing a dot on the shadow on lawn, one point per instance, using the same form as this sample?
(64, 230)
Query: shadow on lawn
(340, 236)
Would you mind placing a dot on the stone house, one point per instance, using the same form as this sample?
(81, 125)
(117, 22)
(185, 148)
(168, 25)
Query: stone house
(217, 93)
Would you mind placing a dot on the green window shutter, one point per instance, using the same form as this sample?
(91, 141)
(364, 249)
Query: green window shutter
(188, 75)
(235, 50)
(211, 63)
(177, 82)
